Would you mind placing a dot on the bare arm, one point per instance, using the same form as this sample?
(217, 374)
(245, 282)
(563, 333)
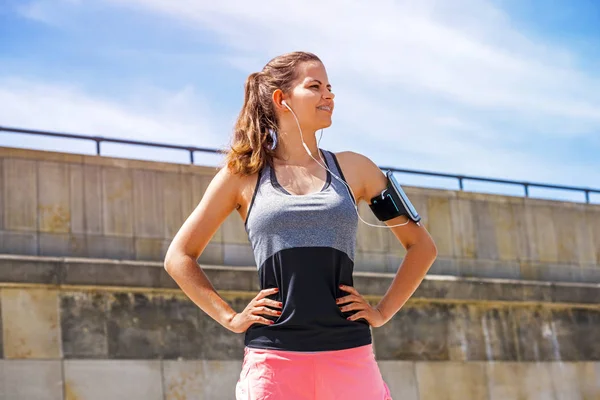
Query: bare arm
(421, 250)
(219, 200)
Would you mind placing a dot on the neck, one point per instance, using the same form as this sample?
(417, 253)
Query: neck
(291, 151)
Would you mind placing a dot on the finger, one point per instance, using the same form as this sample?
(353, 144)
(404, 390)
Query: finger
(358, 315)
(262, 320)
(269, 302)
(265, 311)
(347, 299)
(353, 306)
(266, 292)
(349, 289)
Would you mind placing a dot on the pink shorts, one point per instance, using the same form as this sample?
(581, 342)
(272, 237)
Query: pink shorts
(351, 374)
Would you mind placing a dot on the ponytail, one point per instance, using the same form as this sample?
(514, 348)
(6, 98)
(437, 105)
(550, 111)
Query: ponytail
(252, 145)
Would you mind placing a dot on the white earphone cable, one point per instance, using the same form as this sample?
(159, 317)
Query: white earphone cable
(339, 179)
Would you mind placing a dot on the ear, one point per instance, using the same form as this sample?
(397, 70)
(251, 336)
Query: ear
(278, 98)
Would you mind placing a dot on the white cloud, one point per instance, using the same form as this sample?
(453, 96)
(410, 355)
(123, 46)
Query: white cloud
(452, 85)
(453, 79)
(151, 114)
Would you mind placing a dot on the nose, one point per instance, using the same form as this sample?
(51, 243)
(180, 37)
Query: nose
(329, 95)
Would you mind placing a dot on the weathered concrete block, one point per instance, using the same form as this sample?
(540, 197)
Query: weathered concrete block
(463, 228)
(82, 272)
(593, 218)
(113, 247)
(2, 192)
(589, 379)
(234, 231)
(92, 197)
(565, 219)
(76, 198)
(393, 262)
(488, 268)
(570, 331)
(485, 231)
(176, 194)
(62, 245)
(584, 237)
(444, 266)
(113, 379)
(134, 330)
(451, 381)
(30, 323)
(368, 238)
(20, 195)
(534, 336)
(566, 381)
(394, 246)
(519, 381)
(1, 332)
(151, 249)
(465, 335)
(213, 254)
(159, 326)
(400, 378)
(498, 329)
(371, 262)
(218, 342)
(184, 336)
(199, 184)
(545, 236)
(440, 225)
(117, 201)
(234, 278)
(53, 197)
(14, 242)
(17, 269)
(437, 287)
(148, 205)
(420, 203)
(416, 332)
(83, 325)
(210, 380)
(238, 255)
(31, 379)
(505, 217)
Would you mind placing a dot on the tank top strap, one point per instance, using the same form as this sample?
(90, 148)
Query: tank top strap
(334, 166)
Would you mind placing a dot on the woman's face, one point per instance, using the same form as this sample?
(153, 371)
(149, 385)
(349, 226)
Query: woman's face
(311, 97)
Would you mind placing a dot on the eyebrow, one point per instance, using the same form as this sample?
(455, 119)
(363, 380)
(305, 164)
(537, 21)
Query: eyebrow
(320, 83)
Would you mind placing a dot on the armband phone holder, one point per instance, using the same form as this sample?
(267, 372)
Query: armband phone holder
(393, 202)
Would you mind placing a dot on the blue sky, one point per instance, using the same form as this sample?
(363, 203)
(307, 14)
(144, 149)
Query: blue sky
(506, 88)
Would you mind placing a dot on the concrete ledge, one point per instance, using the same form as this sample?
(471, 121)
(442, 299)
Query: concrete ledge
(103, 272)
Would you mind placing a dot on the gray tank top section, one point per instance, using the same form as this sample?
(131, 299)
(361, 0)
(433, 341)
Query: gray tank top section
(278, 220)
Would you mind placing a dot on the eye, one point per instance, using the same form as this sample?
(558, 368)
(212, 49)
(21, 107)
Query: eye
(315, 86)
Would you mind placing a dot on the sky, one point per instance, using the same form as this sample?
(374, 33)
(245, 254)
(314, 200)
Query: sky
(506, 89)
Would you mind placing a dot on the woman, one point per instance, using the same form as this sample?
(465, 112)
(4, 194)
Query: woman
(307, 332)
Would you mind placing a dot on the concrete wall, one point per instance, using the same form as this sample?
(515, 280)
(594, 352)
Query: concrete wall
(57, 204)
(105, 329)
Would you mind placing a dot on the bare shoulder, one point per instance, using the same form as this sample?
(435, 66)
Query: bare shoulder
(361, 173)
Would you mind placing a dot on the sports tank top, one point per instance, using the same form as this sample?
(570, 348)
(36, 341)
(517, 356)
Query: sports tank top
(304, 245)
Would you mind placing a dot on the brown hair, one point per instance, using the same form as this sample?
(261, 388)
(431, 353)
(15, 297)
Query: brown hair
(251, 140)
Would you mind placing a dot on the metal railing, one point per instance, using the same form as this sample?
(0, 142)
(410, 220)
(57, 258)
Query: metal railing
(192, 149)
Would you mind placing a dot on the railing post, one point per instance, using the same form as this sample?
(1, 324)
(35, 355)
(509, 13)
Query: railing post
(191, 156)
(526, 189)
(97, 145)
(587, 196)
(460, 183)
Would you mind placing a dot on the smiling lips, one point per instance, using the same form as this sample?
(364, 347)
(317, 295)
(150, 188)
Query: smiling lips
(325, 108)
